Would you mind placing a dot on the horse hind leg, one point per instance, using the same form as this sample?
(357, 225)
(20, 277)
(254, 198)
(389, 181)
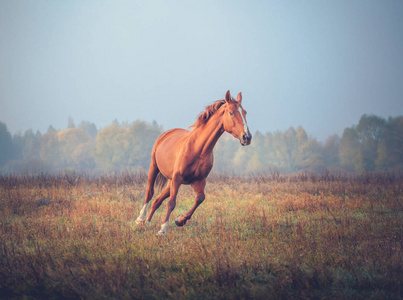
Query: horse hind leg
(198, 187)
(158, 201)
(152, 175)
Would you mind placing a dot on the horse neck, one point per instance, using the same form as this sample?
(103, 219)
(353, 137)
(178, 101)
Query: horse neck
(206, 136)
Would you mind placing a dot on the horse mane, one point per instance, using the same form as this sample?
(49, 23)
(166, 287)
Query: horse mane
(203, 117)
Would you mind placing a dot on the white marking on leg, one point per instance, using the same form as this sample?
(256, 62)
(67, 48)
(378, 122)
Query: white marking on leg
(163, 229)
(143, 213)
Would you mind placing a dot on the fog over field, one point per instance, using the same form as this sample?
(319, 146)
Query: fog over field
(374, 144)
(319, 65)
(311, 209)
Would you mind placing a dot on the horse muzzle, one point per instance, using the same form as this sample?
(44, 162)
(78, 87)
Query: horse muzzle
(245, 139)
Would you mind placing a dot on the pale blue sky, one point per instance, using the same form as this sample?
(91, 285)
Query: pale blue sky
(319, 64)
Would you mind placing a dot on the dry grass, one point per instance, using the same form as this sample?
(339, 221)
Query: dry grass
(329, 236)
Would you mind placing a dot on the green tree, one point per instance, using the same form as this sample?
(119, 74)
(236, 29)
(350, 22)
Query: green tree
(331, 152)
(119, 147)
(51, 129)
(390, 150)
(287, 145)
(32, 145)
(280, 152)
(70, 148)
(302, 151)
(142, 136)
(224, 153)
(370, 132)
(89, 127)
(49, 150)
(105, 146)
(257, 162)
(350, 154)
(6, 145)
(310, 157)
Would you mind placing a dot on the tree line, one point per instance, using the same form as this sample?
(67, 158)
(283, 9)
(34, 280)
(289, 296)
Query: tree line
(374, 144)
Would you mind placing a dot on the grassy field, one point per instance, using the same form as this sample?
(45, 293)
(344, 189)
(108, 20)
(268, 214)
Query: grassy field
(301, 236)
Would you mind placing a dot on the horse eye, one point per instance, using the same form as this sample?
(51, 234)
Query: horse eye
(231, 113)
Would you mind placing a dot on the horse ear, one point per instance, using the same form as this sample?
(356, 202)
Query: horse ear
(239, 99)
(228, 97)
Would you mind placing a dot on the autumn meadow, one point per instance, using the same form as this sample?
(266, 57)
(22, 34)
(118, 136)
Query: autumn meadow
(305, 236)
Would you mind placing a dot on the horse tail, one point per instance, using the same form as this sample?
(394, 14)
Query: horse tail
(160, 181)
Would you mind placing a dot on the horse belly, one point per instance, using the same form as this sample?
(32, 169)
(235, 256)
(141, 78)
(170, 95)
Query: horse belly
(167, 149)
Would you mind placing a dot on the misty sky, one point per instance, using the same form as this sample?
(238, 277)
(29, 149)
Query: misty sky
(319, 64)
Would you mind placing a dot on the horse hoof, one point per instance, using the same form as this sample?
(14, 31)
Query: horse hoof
(140, 222)
(160, 233)
(180, 222)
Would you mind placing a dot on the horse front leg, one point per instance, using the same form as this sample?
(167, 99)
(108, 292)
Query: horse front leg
(198, 187)
(175, 184)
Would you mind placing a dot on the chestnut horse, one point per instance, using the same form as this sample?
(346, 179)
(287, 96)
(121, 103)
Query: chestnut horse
(186, 157)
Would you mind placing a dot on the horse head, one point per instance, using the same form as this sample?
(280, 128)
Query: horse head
(235, 119)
